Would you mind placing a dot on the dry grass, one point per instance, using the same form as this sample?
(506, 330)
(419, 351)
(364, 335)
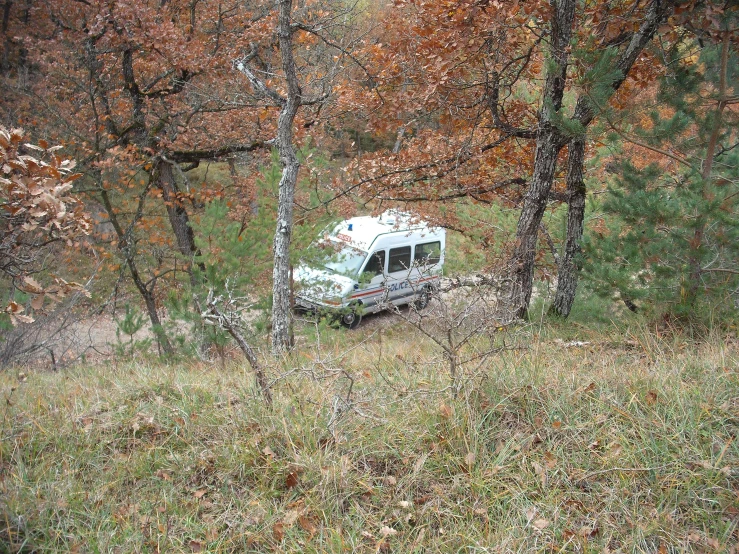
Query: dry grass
(625, 444)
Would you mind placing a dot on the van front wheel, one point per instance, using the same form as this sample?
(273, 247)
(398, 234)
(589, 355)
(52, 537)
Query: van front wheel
(352, 317)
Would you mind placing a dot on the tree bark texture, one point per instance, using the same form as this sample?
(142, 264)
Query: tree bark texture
(549, 140)
(548, 145)
(281, 309)
(569, 268)
(179, 219)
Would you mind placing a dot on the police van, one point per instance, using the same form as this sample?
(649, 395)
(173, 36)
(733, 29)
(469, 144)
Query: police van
(372, 263)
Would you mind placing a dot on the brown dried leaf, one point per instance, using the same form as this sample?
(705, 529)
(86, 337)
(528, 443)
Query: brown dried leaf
(291, 481)
(38, 302)
(278, 531)
(588, 531)
(32, 286)
(541, 472)
(307, 525)
(551, 460)
(614, 450)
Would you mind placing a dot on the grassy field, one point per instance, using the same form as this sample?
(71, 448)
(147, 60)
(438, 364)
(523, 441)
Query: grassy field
(622, 442)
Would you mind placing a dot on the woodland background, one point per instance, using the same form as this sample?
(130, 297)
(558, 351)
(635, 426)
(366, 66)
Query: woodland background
(166, 163)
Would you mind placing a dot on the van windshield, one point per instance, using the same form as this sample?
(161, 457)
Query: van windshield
(347, 260)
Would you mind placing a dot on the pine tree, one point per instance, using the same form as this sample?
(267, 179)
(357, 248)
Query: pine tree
(673, 232)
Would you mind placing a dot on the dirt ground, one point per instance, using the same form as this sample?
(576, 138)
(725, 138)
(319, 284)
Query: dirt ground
(68, 339)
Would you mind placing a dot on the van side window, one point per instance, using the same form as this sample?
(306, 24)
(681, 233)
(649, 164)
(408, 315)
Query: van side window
(428, 253)
(375, 265)
(400, 259)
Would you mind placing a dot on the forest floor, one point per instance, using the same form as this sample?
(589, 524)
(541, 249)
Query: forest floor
(99, 337)
(562, 438)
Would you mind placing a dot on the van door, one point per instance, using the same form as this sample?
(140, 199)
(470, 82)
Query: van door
(399, 274)
(371, 285)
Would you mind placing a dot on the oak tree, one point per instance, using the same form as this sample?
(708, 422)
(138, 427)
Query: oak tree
(498, 89)
(37, 210)
(143, 93)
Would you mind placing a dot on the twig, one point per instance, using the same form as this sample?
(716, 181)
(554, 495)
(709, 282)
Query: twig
(214, 315)
(626, 469)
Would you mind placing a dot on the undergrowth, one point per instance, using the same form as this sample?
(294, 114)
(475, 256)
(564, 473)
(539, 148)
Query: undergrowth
(622, 442)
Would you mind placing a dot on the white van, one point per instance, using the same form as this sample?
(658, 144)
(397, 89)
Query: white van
(372, 263)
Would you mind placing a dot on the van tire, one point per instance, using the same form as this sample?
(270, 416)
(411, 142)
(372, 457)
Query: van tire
(424, 297)
(352, 318)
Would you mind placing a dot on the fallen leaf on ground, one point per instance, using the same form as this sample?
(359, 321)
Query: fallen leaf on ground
(290, 518)
(386, 531)
(307, 525)
(291, 481)
(588, 531)
(551, 460)
(278, 531)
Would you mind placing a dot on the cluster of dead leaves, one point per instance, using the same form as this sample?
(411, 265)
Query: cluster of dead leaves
(36, 207)
(298, 514)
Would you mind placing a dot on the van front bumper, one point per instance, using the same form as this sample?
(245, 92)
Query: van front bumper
(313, 306)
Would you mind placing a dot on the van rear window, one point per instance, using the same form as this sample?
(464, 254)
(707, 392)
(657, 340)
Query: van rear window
(428, 253)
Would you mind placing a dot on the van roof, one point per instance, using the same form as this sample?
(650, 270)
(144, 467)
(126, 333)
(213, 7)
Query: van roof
(362, 231)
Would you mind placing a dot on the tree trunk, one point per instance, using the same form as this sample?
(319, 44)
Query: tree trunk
(695, 261)
(179, 219)
(5, 61)
(535, 202)
(226, 322)
(151, 310)
(281, 309)
(548, 145)
(569, 268)
(127, 248)
(550, 141)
